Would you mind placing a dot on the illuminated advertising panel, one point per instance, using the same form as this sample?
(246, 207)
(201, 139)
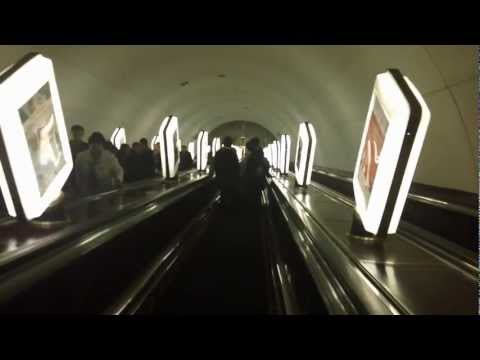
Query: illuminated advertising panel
(119, 137)
(202, 150)
(285, 144)
(239, 152)
(268, 154)
(395, 128)
(191, 149)
(155, 140)
(277, 144)
(216, 145)
(169, 152)
(306, 144)
(274, 155)
(34, 148)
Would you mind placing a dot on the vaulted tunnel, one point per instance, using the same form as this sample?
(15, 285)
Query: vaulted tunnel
(277, 87)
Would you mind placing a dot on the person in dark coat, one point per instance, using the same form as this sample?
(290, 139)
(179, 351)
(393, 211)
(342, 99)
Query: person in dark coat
(186, 161)
(226, 170)
(124, 155)
(136, 163)
(255, 173)
(157, 159)
(77, 145)
(147, 159)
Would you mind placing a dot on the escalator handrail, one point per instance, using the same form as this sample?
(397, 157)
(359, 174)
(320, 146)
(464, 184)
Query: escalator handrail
(23, 276)
(75, 201)
(437, 203)
(137, 185)
(134, 296)
(384, 298)
(285, 301)
(8, 259)
(331, 289)
(465, 264)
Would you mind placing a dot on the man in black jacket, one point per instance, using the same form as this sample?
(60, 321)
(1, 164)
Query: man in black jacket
(186, 161)
(227, 171)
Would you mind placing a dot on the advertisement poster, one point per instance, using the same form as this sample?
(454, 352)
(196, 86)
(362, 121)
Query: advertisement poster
(175, 148)
(42, 135)
(299, 151)
(377, 128)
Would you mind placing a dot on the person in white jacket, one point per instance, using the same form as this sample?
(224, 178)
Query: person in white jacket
(96, 169)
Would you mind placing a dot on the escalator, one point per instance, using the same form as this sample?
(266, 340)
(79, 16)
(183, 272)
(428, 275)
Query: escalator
(80, 264)
(161, 249)
(227, 274)
(405, 273)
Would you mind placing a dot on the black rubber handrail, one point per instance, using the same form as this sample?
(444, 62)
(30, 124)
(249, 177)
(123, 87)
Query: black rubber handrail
(16, 278)
(336, 298)
(437, 203)
(441, 251)
(134, 297)
(75, 201)
(283, 290)
(69, 231)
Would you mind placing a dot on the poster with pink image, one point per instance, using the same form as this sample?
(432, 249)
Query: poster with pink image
(372, 148)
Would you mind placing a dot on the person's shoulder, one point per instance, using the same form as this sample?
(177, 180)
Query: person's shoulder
(109, 156)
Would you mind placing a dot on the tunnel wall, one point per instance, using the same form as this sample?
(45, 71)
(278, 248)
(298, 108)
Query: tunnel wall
(275, 86)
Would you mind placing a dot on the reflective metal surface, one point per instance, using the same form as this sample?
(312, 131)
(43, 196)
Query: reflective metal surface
(390, 276)
(136, 294)
(420, 198)
(83, 239)
(84, 214)
(283, 288)
(331, 291)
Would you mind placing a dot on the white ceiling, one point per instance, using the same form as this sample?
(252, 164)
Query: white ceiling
(275, 86)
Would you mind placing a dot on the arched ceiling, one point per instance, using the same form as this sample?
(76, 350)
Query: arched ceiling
(276, 87)
(242, 129)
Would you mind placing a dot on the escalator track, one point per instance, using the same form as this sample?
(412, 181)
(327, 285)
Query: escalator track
(226, 274)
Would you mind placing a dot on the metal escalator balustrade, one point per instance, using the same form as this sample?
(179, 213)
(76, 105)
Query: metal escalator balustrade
(84, 214)
(393, 270)
(446, 214)
(69, 245)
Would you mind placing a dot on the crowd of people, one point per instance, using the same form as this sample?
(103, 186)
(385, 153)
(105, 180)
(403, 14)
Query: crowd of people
(99, 166)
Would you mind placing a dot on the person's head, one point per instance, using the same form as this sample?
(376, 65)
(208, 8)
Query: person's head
(96, 141)
(227, 141)
(144, 142)
(137, 147)
(77, 132)
(184, 148)
(253, 144)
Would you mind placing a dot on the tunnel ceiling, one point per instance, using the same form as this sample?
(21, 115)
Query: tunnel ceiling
(276, 87)
(241, 131)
